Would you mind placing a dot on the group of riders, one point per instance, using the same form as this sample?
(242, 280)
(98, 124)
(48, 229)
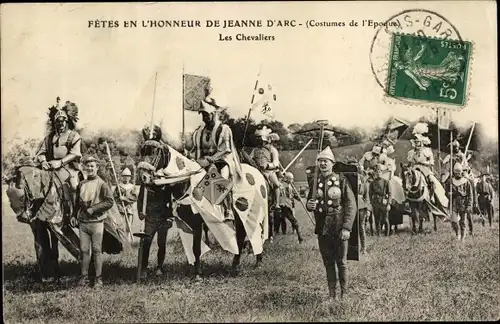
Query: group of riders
(379, 189)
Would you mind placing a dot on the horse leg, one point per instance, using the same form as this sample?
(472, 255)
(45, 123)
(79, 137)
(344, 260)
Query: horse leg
(435, 223)
(38, 250)
(205, 230)
(421, 223)
(197, 236)
(271, 223)
(54, 255)
(240, 240)
(162, 248)
(370, 222)
(414, 220)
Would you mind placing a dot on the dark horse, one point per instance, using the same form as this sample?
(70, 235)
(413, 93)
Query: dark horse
(418, 196)
(42, 199)
(158, 156)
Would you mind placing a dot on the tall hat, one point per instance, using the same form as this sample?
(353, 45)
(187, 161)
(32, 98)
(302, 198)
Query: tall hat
(126, 172)
(326, 154)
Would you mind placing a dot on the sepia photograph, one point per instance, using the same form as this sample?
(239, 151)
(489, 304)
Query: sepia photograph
(250, 162)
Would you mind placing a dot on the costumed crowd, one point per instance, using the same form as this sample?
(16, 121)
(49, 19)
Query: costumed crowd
(379, 198)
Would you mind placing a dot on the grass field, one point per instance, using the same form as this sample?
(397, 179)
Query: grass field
(403, 278)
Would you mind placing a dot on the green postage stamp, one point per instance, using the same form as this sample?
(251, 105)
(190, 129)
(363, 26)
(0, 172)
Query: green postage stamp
(428, 69)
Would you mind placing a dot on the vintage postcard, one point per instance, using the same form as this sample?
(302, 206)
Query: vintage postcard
(250, 161)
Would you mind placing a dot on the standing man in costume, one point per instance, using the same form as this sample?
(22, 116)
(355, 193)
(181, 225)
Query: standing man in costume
(213, 144)
(335, 209)
(61, 149)
(93, 199)
(158, 219)
(266, 157)
(461, 200)
(422, 158)
(485, 195)
(364, 206)
(380, 198)
(127, 195)
(288, 197)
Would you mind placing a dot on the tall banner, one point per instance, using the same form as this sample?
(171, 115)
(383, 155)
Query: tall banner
(196, 89)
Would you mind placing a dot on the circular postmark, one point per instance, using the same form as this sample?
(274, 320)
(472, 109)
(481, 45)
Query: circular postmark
(420, 22)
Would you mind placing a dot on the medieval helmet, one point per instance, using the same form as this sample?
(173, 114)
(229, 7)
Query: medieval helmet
(289, 175)
(326, 154)
(376, 149)
(458, 168)
(418, 130)
(263, 133)
(126, 173)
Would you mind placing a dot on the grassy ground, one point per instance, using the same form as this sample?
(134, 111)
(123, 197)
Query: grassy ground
(403, 278)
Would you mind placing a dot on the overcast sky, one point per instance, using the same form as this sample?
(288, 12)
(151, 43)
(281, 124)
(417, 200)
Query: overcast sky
(320, 73)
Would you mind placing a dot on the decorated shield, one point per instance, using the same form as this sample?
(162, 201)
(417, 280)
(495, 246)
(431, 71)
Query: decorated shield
(214, 186)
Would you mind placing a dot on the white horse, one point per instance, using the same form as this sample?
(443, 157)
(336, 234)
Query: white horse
(187, 181)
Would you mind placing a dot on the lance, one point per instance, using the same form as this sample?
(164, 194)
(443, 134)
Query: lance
(153, 110)
(250, 111)
(322, 124)
(297, 156)
(468, 141)
(127, 221)
(451, 175)
(142, 235)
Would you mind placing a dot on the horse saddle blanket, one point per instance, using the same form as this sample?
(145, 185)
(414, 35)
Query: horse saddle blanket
(214, 186)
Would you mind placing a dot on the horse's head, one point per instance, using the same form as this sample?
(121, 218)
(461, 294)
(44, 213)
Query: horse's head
(410, 176)
(23, 189)
(155, 156)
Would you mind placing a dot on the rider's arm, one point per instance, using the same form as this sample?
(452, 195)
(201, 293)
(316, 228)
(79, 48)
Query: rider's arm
(40, 155)
(275, 162)
(224, 148)
(429, 157)
(75, 151)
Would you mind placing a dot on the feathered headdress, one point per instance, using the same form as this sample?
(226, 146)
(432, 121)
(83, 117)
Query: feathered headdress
(418, 130)
(69, 110)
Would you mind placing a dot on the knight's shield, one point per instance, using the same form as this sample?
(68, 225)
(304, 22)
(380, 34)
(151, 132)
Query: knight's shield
(214, 186)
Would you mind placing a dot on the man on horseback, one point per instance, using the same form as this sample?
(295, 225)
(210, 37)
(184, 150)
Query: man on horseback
(266, 157)
(61, 149)
(213, 145)
(422, 158)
